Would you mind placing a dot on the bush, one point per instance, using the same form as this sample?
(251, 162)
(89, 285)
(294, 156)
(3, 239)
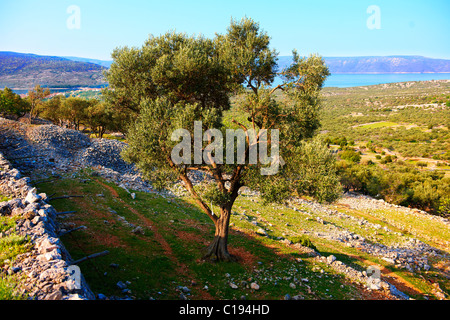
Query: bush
(351, 155)
(386, 159)
(422, 164)
(444, 207)
(318, 176)
(304, 241)
(11, 104)
(397, 184)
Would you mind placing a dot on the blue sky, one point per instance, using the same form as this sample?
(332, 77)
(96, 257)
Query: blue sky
(327, 27)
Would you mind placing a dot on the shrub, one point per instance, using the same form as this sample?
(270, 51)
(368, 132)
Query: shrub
(351, 155)
(422, 164)
(304, 241)
(444, 207)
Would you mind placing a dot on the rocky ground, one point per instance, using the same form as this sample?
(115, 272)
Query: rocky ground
(47, 151)
(45, 271)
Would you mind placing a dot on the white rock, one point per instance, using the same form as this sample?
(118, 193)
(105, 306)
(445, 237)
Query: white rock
(331, 259)
(32, 196)
(254, 286)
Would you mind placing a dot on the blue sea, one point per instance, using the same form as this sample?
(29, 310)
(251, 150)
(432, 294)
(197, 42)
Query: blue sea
(357, 80)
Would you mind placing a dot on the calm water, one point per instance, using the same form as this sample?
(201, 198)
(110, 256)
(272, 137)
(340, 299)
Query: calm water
(356, 80)
(53, 90)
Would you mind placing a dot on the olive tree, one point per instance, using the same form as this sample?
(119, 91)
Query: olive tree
(36, 98)
(178, 82)
(11, 104)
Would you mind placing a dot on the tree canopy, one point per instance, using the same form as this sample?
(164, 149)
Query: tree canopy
(176, 81)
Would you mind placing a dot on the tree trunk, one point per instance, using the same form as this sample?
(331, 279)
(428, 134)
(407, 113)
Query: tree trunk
(218, 249)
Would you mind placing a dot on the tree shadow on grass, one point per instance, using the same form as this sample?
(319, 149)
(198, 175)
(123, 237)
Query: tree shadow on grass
(166, 255)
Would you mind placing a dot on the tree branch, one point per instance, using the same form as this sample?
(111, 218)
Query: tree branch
(200, 202)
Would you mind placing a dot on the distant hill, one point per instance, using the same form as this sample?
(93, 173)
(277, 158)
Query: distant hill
(103, 63)
(388, 64)
(24, 71)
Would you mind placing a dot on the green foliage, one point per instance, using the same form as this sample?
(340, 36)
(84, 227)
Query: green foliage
(36, 98)
(10, 246)
(304, 241)
(350, 155)
(349, 113)
(317, 172)
(211, 194)
(8, 289)
(98, 117)
(444, 206)
(314, 174)
(245, 51)
(175, 66)
(400, 184)
(175, 80)
(51, 109)
(11, 104)
(386, 159)
(422, 164)
(75, 111)
(239, 58)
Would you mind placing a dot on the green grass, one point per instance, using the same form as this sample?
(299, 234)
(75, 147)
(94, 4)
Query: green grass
(381, 124)
(154, 272)
(8, 289)
(168, 254)
(11, 245)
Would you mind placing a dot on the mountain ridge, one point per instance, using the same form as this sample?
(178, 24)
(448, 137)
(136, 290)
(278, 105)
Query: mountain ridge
(380, 64)
(25, 70)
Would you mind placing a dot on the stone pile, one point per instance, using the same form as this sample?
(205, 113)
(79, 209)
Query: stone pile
(57, 140)
(106, 153)
(410, 254)
(52, 149)
(45, 270)
(363, 202)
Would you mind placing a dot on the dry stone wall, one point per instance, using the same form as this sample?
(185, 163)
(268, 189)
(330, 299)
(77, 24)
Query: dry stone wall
(45, 271)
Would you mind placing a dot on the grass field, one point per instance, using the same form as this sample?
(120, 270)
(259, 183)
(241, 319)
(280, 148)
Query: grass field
(166, 257)
(381, 124)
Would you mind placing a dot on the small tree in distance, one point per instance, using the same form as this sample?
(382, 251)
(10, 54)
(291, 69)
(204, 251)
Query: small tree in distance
(176, 82)
(36, 97)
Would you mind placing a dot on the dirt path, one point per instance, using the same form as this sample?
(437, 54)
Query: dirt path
(181, 268)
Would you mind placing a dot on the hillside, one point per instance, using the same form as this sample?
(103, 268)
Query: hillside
(300, 250)
(24, 71)
(389, 64)
(103, 63)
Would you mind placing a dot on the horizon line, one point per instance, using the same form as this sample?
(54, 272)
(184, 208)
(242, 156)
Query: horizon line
(323, 56)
